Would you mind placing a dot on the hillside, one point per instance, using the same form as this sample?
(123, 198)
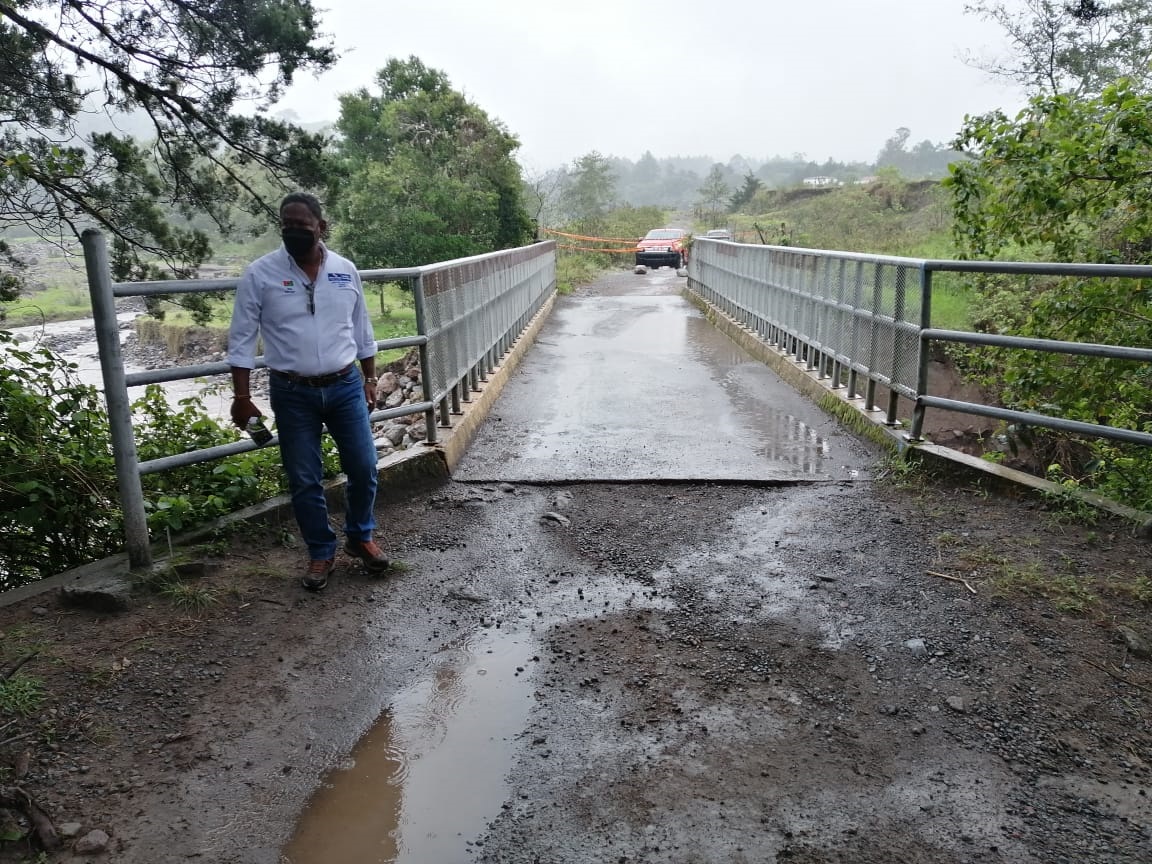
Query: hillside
(887, 216)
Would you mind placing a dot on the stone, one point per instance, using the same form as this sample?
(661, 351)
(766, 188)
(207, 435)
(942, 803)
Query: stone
(39, 611)
(557, 518)
(418, 431)
(1136, 643)
(395, 434)
(956, 704)
(387, 384)
(111, 594)
(92, 843)
(394, 399)
(917, 647)
(639, 269)
(68, 830)
(507, 488)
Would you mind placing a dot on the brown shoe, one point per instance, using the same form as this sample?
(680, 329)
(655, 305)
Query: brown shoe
(315, 578)
(368, 553)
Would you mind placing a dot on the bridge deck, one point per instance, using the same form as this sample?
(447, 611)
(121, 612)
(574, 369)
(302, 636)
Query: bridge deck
(629, 382)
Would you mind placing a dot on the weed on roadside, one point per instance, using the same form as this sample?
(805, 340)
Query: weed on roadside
(898, 471)
(21, 695)
(189, 597)
(1136, 587)
(1065, 506)
(1068, 592)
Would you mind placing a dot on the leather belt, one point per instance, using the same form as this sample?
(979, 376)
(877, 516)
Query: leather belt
(313, 380)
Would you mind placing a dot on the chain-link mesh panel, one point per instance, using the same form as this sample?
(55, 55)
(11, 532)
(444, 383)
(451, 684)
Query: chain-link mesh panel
(476, 307)
(860, 310)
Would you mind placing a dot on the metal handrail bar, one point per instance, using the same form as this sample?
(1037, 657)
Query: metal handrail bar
(1030, 418)
(1041, 268)
(203, 370)
(206, 286)
(209, 454)
(1053, 346)
(932, 265)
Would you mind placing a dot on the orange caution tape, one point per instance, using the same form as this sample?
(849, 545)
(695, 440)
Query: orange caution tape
(628, 251)
(594, 239)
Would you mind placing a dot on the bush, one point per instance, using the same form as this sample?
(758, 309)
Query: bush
(57, 475)
(58, 503)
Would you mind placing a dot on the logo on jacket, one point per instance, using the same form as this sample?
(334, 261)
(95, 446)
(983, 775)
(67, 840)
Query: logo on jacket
(340, 278)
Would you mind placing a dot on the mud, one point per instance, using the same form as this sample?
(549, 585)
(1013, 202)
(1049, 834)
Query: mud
(668, 672)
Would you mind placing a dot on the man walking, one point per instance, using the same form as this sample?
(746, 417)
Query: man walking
(307, 304)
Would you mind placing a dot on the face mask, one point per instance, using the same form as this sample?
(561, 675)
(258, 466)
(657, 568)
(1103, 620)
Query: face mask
(298, 241)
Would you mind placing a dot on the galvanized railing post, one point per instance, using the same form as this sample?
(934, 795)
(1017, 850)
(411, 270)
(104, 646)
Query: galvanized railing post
(922, 358)
(874, 345)
(897, 319)
(116, 398)
(425, 366)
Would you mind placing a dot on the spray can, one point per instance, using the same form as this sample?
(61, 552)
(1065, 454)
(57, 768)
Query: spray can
(258, 431)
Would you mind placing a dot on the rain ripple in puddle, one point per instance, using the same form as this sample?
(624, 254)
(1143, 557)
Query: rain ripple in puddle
(429, 776)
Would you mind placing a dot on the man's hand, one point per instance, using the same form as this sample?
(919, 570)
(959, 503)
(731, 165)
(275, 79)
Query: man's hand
(370, 396)
(244, 409)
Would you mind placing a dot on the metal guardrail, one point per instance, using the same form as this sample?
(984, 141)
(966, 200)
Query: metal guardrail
(871, 315)
(469, 312)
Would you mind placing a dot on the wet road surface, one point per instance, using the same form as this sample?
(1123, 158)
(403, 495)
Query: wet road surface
(690, 673)
(629, 382)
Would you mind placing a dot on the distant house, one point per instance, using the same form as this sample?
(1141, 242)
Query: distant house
(864, 181)
(821, 181)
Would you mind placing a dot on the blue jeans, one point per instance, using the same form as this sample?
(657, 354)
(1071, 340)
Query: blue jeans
(300, 412)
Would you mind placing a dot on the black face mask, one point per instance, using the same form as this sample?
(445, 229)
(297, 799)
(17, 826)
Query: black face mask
(298, 241)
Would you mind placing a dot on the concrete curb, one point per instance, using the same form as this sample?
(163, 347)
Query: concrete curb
(870, 424)
(419, 467)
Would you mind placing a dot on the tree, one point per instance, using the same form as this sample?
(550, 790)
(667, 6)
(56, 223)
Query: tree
(542, 195)
(1068, 178)
(895, 148)
(745, 194)
(427, 175)
(714, 193)
(591, 191)
(1077, 46)
(185, 65)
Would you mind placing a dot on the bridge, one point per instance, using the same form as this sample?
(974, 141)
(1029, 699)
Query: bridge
(660, 612)
(851, 331)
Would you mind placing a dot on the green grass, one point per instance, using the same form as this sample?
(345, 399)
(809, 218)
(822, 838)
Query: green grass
(21, 695)
(951, 308)
(1070, 593)
(574, 270)
(62, 303)
(190, 597)
(393, 314)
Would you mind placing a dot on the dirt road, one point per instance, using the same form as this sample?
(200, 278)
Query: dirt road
(606, 672)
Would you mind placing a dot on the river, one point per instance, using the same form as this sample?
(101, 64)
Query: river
(75, 341)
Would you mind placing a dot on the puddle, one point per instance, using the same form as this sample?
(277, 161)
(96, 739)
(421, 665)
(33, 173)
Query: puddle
(429, 776)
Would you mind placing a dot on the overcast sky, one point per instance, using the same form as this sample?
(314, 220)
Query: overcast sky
(827, 78)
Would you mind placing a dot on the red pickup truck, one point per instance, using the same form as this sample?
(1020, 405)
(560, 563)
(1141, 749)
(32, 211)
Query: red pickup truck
(662, 247)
